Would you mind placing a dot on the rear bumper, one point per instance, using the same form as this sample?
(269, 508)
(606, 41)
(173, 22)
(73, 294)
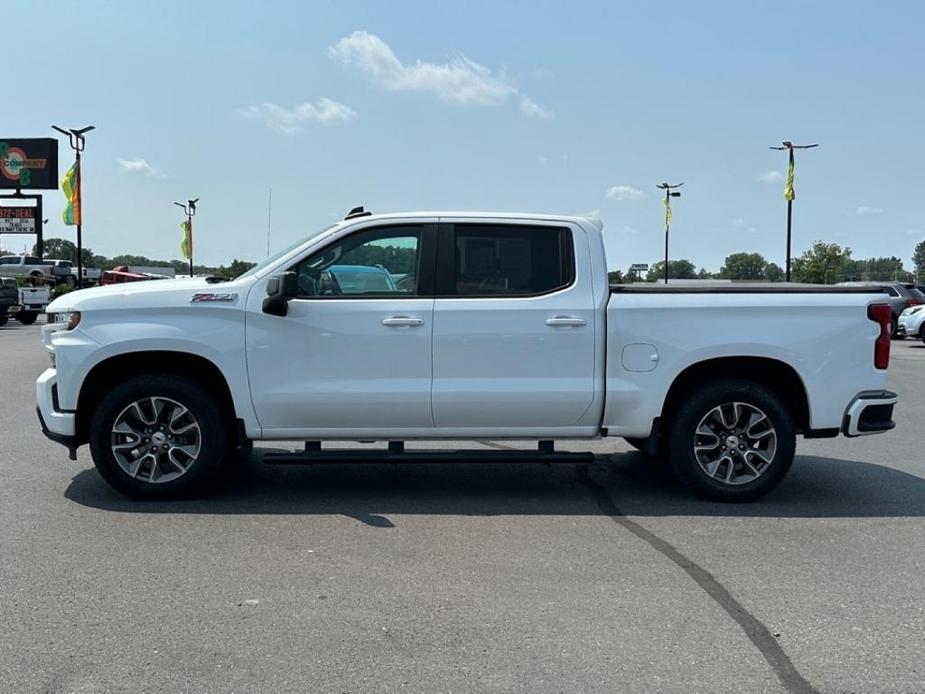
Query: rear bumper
(870, 412)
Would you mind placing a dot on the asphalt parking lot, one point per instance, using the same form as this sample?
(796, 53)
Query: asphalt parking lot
(463, 578)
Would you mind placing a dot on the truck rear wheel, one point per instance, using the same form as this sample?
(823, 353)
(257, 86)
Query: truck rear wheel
(158, 436)
(27, 317)
(731, 440)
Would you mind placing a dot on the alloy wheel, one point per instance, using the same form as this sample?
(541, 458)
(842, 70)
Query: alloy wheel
(156, 439)
(735, 443)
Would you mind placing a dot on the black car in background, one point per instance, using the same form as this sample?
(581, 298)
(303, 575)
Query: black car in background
(9, 296)
(902, 295)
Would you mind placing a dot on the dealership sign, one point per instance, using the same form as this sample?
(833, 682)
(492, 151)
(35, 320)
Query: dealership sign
(20, 219)
(30, 163)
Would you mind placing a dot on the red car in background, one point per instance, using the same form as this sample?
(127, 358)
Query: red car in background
(121, 273)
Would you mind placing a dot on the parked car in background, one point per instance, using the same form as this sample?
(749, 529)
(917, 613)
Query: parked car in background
(912, 322)
(32, 302)
(66, 271)
(902, 296)
(122, 273)
(26, 266)
(9, 297)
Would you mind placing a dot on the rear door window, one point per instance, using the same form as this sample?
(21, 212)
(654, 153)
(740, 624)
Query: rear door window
(507, 260)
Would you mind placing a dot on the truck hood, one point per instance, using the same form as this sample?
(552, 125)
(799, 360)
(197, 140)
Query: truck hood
(149, 294)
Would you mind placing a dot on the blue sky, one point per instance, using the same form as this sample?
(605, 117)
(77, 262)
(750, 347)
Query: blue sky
(514, 106)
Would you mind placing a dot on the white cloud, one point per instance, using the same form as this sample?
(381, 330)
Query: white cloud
(623, 193)
(288, 121)
(459, 81)
(864, 210)
(627, 229)
(534, 110)
(740, 223)
(139, 165)
(771, 177)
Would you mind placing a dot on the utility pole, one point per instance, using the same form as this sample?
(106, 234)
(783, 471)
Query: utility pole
(788, 190)
(77, 141)
(669, 193)
(189, 209)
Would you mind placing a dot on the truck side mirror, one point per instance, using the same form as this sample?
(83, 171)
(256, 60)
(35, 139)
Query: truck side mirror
(280, 289)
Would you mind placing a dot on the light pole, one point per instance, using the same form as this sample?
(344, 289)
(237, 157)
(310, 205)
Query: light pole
(190, 210)
(669, 193)
(788, 190)
(77, 141)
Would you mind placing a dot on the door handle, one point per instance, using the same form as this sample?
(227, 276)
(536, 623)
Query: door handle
(565, 321)
(402, 321)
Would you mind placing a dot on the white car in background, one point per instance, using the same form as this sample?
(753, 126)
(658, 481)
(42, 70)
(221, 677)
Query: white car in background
(912, 322)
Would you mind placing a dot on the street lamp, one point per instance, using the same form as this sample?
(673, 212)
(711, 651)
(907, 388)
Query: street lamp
(190, 210)
(788, 189)
(669, 193)
(77, 141)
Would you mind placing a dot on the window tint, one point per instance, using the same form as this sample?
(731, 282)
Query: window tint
(32, 261)
(510, 259)
(376, 262)
(7, 261)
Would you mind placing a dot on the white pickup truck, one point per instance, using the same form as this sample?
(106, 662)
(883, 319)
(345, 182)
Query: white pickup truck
(490, 326)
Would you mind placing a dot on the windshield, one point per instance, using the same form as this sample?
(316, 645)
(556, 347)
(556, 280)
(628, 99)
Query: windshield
(279, 254)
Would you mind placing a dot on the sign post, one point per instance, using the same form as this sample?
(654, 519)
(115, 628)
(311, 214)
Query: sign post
(77, 141)
(669, 193)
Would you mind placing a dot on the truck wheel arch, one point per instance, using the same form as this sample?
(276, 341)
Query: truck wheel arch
(115, 369)
(778, 377)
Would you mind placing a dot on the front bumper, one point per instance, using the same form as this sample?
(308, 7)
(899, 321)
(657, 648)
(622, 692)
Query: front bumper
(58, 425)
(870, 412)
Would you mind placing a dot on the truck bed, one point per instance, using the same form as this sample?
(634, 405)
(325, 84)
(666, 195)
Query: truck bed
(740, 288)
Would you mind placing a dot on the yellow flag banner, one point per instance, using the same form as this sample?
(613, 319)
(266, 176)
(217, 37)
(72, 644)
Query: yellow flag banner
(186, 244)
(70, 185)
(667, 210)
(788, 186)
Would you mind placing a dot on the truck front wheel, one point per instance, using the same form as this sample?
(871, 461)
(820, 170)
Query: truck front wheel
(158, 436)
(731, 440)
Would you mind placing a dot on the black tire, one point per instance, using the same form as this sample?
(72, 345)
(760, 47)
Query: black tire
(894, 324)
(4, 320)
(922, 332)
(27, 317)
(682, 432)
(213, 428)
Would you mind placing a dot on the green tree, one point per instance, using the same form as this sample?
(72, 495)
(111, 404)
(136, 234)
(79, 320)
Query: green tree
(237, 267)
(774, 273)
(677, 270)
(824, 263)
(918, 259)
(62, 249)
(744, 266)
(882, 269)
(615, 277)
(705, 274)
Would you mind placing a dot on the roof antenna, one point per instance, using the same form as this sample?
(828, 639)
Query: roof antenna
(357, 212)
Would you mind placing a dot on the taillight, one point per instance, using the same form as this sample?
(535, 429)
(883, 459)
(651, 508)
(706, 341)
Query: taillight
(913, 302)
(881, 314)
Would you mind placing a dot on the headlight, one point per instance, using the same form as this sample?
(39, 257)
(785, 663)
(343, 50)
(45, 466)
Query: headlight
(66, 320)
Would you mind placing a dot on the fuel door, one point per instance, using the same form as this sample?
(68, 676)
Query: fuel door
(640, 356)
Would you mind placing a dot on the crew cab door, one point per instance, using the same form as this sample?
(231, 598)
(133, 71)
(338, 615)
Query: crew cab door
(353, 355)
(514, 326)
